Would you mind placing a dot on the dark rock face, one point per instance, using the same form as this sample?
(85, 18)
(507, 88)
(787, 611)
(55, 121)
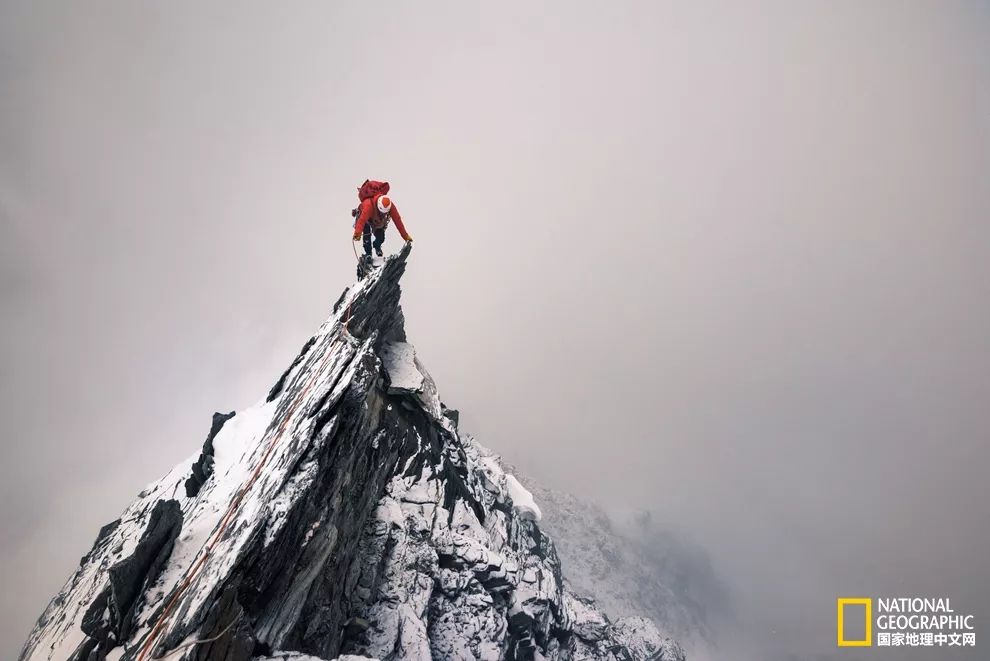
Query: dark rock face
(344, 514)
(130, 576)
(110, 615)
(204, 465)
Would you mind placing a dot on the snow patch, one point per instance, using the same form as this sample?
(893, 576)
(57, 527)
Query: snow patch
(522, 500)
(400, 364)
(295, 656)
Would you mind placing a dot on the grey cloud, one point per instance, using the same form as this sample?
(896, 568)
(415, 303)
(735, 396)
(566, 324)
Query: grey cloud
(725, 260)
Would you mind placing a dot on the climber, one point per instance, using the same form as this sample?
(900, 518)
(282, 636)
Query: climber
(373, 214)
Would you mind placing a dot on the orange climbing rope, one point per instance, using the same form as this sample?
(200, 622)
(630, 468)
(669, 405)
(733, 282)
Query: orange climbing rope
(228, 516)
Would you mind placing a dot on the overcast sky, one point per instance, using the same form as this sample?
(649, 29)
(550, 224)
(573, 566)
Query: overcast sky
(727, 261)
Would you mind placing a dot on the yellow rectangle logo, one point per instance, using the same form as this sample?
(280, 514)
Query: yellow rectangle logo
(867, 604)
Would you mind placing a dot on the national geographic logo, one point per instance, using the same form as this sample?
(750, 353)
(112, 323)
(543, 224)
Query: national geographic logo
(866, 639)
(901, 622)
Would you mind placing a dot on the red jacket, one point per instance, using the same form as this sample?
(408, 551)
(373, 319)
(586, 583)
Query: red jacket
(369, 214)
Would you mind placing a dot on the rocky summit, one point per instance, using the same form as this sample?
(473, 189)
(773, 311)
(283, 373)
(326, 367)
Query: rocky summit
(343, 516)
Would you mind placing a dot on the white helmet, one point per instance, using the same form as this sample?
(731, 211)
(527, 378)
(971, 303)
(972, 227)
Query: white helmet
(384, 204)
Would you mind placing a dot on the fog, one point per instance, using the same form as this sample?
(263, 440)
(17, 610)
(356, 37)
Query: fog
(724, 261)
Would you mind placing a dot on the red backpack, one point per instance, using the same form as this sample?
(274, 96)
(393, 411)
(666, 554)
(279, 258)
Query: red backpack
(370, 189)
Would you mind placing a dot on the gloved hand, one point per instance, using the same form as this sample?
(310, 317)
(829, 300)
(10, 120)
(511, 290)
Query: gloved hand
(357, 236)
(408, 239)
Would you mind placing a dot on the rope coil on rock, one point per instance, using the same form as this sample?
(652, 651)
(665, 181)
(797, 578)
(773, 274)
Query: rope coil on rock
(201, 641)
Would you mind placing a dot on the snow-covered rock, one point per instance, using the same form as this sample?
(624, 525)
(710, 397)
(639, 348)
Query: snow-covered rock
(632, 566)
(589, 623)
(295, 656)
(343, 515)
(522, 500)
(641, 639)
(399, 359)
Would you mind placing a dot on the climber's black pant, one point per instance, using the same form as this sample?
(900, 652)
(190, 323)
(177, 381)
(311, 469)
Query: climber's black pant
(366, 238)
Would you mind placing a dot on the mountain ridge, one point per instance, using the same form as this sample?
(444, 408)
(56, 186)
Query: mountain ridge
(344, 513)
